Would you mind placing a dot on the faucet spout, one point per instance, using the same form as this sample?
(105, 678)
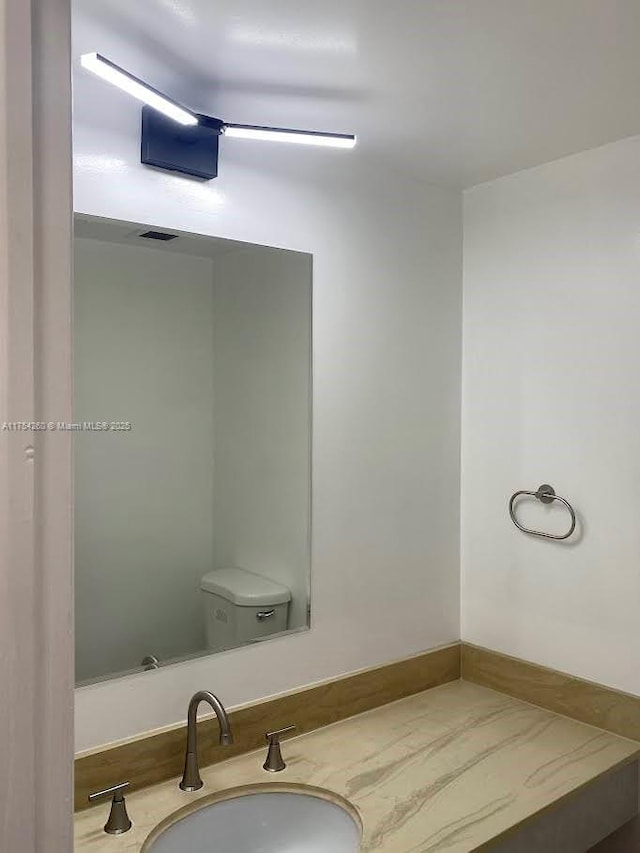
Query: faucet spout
(191, 780)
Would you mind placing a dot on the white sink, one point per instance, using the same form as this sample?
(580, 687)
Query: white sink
(261, 819)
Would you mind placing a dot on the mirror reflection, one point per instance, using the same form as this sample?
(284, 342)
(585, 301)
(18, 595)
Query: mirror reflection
(192, 449)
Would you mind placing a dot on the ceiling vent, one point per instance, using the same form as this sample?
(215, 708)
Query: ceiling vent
(158, 235)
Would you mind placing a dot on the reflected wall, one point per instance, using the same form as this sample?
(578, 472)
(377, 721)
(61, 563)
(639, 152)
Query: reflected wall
(192, 445)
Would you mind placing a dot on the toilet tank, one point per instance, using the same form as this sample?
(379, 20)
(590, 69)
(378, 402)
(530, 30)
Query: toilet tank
(241, 607)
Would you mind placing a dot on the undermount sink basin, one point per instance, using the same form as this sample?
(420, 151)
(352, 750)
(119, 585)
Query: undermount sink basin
(261, 819)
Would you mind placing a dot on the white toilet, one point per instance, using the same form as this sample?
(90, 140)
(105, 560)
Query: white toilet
(241, 606)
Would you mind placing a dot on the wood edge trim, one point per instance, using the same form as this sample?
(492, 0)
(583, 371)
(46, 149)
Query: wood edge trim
(585, 701)
(158, 757)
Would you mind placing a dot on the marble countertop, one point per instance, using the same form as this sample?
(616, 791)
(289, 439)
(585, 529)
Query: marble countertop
(449, 770)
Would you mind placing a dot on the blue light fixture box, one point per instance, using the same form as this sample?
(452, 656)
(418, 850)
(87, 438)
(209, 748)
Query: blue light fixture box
(191, 150)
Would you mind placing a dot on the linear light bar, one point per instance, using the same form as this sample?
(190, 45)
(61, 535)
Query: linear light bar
(112, 73)
(282, 134)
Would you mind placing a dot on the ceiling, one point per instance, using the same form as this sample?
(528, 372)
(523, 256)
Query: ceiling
(129, 234)
(456, 92)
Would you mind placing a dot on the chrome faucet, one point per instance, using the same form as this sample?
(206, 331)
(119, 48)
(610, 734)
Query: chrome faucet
(191, 780)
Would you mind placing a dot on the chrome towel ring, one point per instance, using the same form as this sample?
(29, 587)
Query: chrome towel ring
(546, 494)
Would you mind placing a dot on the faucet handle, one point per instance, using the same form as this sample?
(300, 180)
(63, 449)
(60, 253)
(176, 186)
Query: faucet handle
(274, 762)
(118, 821)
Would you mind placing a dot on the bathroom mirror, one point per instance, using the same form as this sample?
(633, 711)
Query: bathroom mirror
(192, 414)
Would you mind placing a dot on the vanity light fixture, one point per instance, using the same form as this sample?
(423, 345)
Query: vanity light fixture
(178, 140)
(112, 73)
(281, 134)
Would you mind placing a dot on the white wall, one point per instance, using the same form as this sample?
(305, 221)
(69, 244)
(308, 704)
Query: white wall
(262, 439)
(143, 331)
(551, 355)
(387, 279)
